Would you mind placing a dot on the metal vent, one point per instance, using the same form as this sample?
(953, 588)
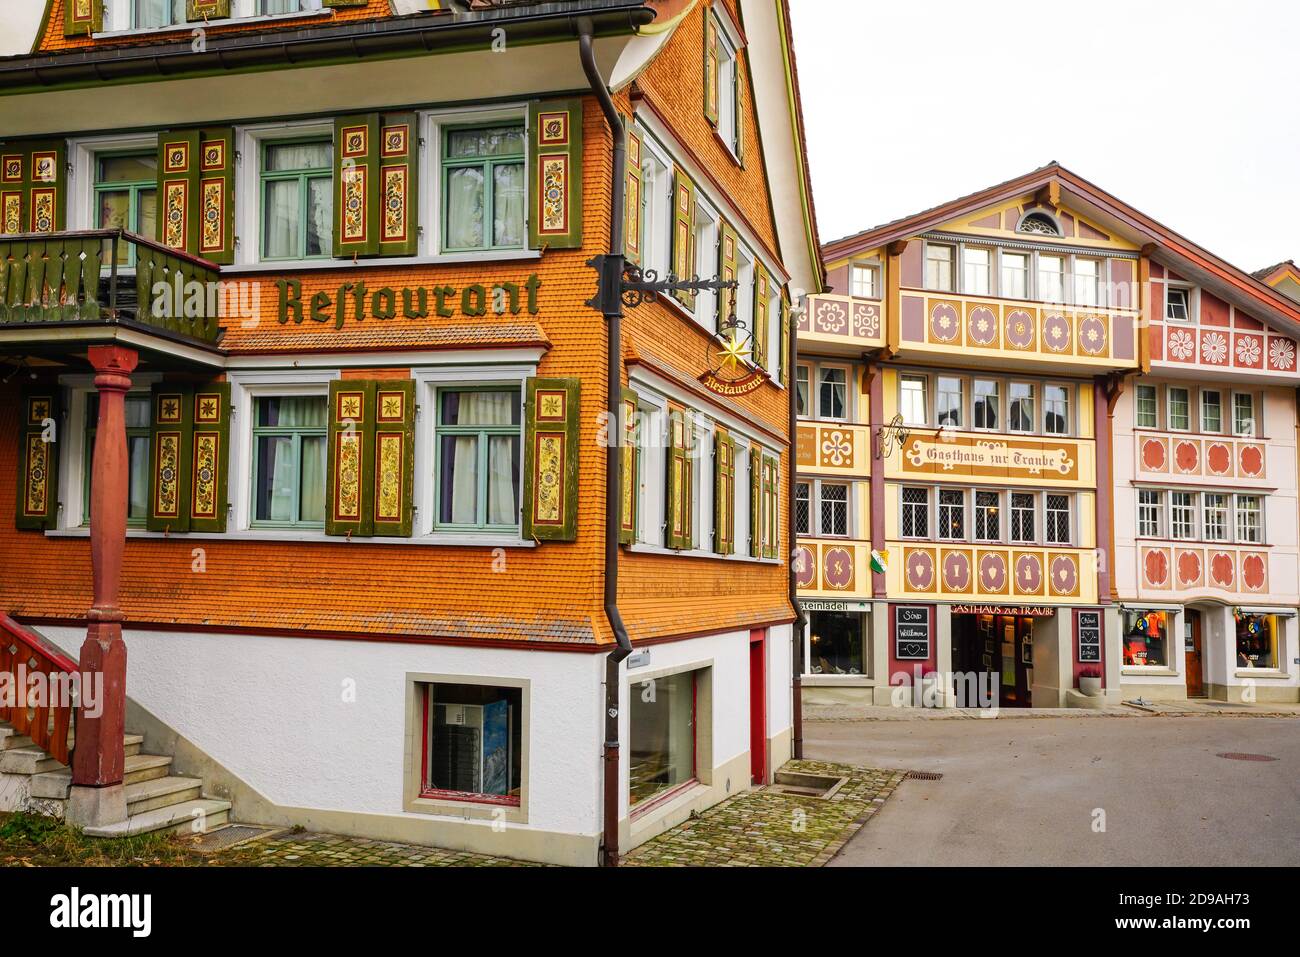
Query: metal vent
(229, 836)
(924, 776)
(1245, 756)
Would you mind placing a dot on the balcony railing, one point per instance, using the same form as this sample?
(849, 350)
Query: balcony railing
(81, 277)
(843, 320)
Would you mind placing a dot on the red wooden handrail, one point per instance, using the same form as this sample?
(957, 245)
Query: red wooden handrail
(47, 716)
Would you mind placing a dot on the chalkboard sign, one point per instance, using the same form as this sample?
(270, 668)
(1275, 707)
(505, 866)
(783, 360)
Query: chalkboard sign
(911, 633)
(1090, 636)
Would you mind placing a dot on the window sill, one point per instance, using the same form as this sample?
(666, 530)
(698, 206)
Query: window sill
(671, 798)
(1260, 673)
(1159, 671)
(837, 681)
(441, 259)
(644, 549)
(290, 535)
(202, 24)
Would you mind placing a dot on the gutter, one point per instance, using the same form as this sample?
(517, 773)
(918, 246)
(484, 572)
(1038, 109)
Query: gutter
(613, 311)
(796, 629)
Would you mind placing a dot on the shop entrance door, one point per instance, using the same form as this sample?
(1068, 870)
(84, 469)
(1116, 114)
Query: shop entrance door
(758, 706)
(1192, 648)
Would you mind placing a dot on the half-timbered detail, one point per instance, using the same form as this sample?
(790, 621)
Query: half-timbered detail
(302, 363)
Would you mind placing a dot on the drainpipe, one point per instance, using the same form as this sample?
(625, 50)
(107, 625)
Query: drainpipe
(612, 307)
(799, 620)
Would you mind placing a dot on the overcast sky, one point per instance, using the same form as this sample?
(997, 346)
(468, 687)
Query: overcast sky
(1185, 110)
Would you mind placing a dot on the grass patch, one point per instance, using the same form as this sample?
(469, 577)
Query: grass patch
(30, 840)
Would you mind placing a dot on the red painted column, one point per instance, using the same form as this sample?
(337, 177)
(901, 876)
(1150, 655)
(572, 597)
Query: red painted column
(98, 759)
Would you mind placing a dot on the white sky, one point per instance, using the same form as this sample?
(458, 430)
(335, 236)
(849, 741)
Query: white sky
(1185, 110)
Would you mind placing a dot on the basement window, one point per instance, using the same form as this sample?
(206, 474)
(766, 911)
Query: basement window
(473, 743)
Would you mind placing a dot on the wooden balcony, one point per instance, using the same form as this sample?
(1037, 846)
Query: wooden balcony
(77, 287)
(842, 324)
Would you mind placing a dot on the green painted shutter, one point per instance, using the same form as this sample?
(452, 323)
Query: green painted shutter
(356, 208)
(82, 17)
(555, 174)
(178, 177)
(211, 448)
(677, 530)
(771, 523)
(727, 272)
(349, 489)
(394, 456)
(755, 501)
(33, 186)
(762, 306)
(13, 188)
(785, 341)
(199, 10)
(630, 488)
(215, 195)
(738, 93)
(171, 432)
(38, 460)
(551, 416)
(632, 214)
(711, 67)
(724, 493)
(397, 186)
(683, 251)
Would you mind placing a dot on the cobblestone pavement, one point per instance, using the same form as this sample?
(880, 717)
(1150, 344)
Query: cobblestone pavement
(331, 850)
(766, 828)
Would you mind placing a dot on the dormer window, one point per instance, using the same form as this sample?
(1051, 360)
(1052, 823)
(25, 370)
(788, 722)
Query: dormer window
(1040, 224)
(156, 13)
(1178, 305)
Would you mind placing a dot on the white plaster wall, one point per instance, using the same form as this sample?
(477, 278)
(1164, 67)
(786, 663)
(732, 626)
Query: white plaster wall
(19, 21)
(780, 680)
(271, 710)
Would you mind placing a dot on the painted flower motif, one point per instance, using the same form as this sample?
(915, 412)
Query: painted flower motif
(1056, 333)
(1092, 336)
(1020, 329)
(943, 322)
(1252, 460)
(831, 316)
(1189, 568)
(1253, 571)
(1214, 348)
(1248, 350)
(983, 326)
(1186, 456)
(1153, 455)
(837, 447)
(1156, 567)
(1219, 458)
(1181, 346)
(866, 321)
(1281, 354)
(1221, 569)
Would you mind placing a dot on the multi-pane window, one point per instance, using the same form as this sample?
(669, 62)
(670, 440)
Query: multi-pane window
(1087, 281)
(948, 401)
(1145, 404)
(1015, 275)
(1051, 278)
(863, 281)
(1249, 519)
(1180, 409)
(1022, 517)
(916, 512)
(1211, 411)
(911, 400)
(156, 13)
(483, 187)
(832, 397)
(1177, 305)
(1182, 515)
(1056, 405)
(126, 196)
(1214, 516)
(802, 390)
(137, 451)
(938, 267)
(271, 7)
(952, 514)
(984, 399)
(975, 270)
(1243, 414)
(834, 507)
(1020, 407)
(478, 447)
(1151, 513)
(289, 460)
(803, 508)
(987, 525)
(297, 200)
(1056, 517)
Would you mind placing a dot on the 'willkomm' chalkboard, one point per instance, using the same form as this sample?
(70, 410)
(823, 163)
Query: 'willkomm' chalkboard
(911, 633)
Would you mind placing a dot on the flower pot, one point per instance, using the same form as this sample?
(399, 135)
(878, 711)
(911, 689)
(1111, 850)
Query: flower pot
(1090, 686)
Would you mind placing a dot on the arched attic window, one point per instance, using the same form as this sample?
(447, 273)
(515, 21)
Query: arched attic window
(1038, 223)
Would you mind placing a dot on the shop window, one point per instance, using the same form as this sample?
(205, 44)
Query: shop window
(834, 501)
(1178, 305)
(473, 743)
(863, 282)
(986, 403)
(1146, 638)
(1250, 519)
(911, 400)
(1180, 409)
(948, 401)
(938, 267)
(477, 448)
(1145, 405)
(126, 197)
(1214, 516)
(1020, 407)
(289, 468)
(835, 643)
(832, 398)
(1015, 275)
(137, 450)
(916, 512)
(803, 508)
(1022, 517)
(1151, 513)
(987, 524)
(1182, 515)
(483, 187)
(297, 200)
(952, 514)
(1056, 518)
(662, 726)
(802, 391)
(1211, 411)
(1243, 414)
(1258, 638)
(1056, 404)
(976, 268)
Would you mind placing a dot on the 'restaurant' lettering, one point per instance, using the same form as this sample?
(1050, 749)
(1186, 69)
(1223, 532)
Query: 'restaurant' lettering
(383, 304)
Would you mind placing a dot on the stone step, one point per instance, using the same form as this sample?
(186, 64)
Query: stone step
(29, 759)
(136, 768)
(161, 792)
(177, 818)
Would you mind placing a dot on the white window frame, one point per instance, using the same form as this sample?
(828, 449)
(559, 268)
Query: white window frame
(926, 508)
(1070, 392)
(1000, 412)
(1254, 432)
(1011, 517)
(1155, 510)
(953, 266)
(808, 484)
(1069, 518)
(1137, 406)
(1224, 514)
(81, 183)
(707, 234)
(977, 510)
(657, 203)
(820, 486)
(1034, 423)
(1236, 519)
(1188, 293)
(1169, 408)
(906, 377)
(1028, 274)
(729, 47)
(1193, 509)
(968, 288)
(117, 17)
(869, 269)
(848, 391)
(939, 506)
(1201, 411)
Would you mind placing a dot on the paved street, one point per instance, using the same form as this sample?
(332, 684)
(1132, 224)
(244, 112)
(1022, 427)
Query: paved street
(1024, 792)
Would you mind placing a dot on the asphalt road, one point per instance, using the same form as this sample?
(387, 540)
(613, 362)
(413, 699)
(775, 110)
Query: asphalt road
(1027, 791)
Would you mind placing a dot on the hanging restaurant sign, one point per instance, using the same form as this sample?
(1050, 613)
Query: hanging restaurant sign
(354, 301)
(732, 369)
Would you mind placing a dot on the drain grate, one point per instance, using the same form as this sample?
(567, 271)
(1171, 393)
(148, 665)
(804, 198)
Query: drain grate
(1245, 756)
(229, 836)
(924, 776)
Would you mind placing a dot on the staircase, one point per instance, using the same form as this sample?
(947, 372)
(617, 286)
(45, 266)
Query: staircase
(156, 799)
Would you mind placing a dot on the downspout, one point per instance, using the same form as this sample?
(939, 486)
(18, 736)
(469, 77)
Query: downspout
(798, 625)
(612, 307)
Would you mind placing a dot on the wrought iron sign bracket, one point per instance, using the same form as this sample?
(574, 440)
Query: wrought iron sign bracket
(633, 286)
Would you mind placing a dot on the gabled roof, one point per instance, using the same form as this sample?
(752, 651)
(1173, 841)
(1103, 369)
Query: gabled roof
(1166, 246)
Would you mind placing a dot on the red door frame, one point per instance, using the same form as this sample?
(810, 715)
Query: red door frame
(758, 706)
